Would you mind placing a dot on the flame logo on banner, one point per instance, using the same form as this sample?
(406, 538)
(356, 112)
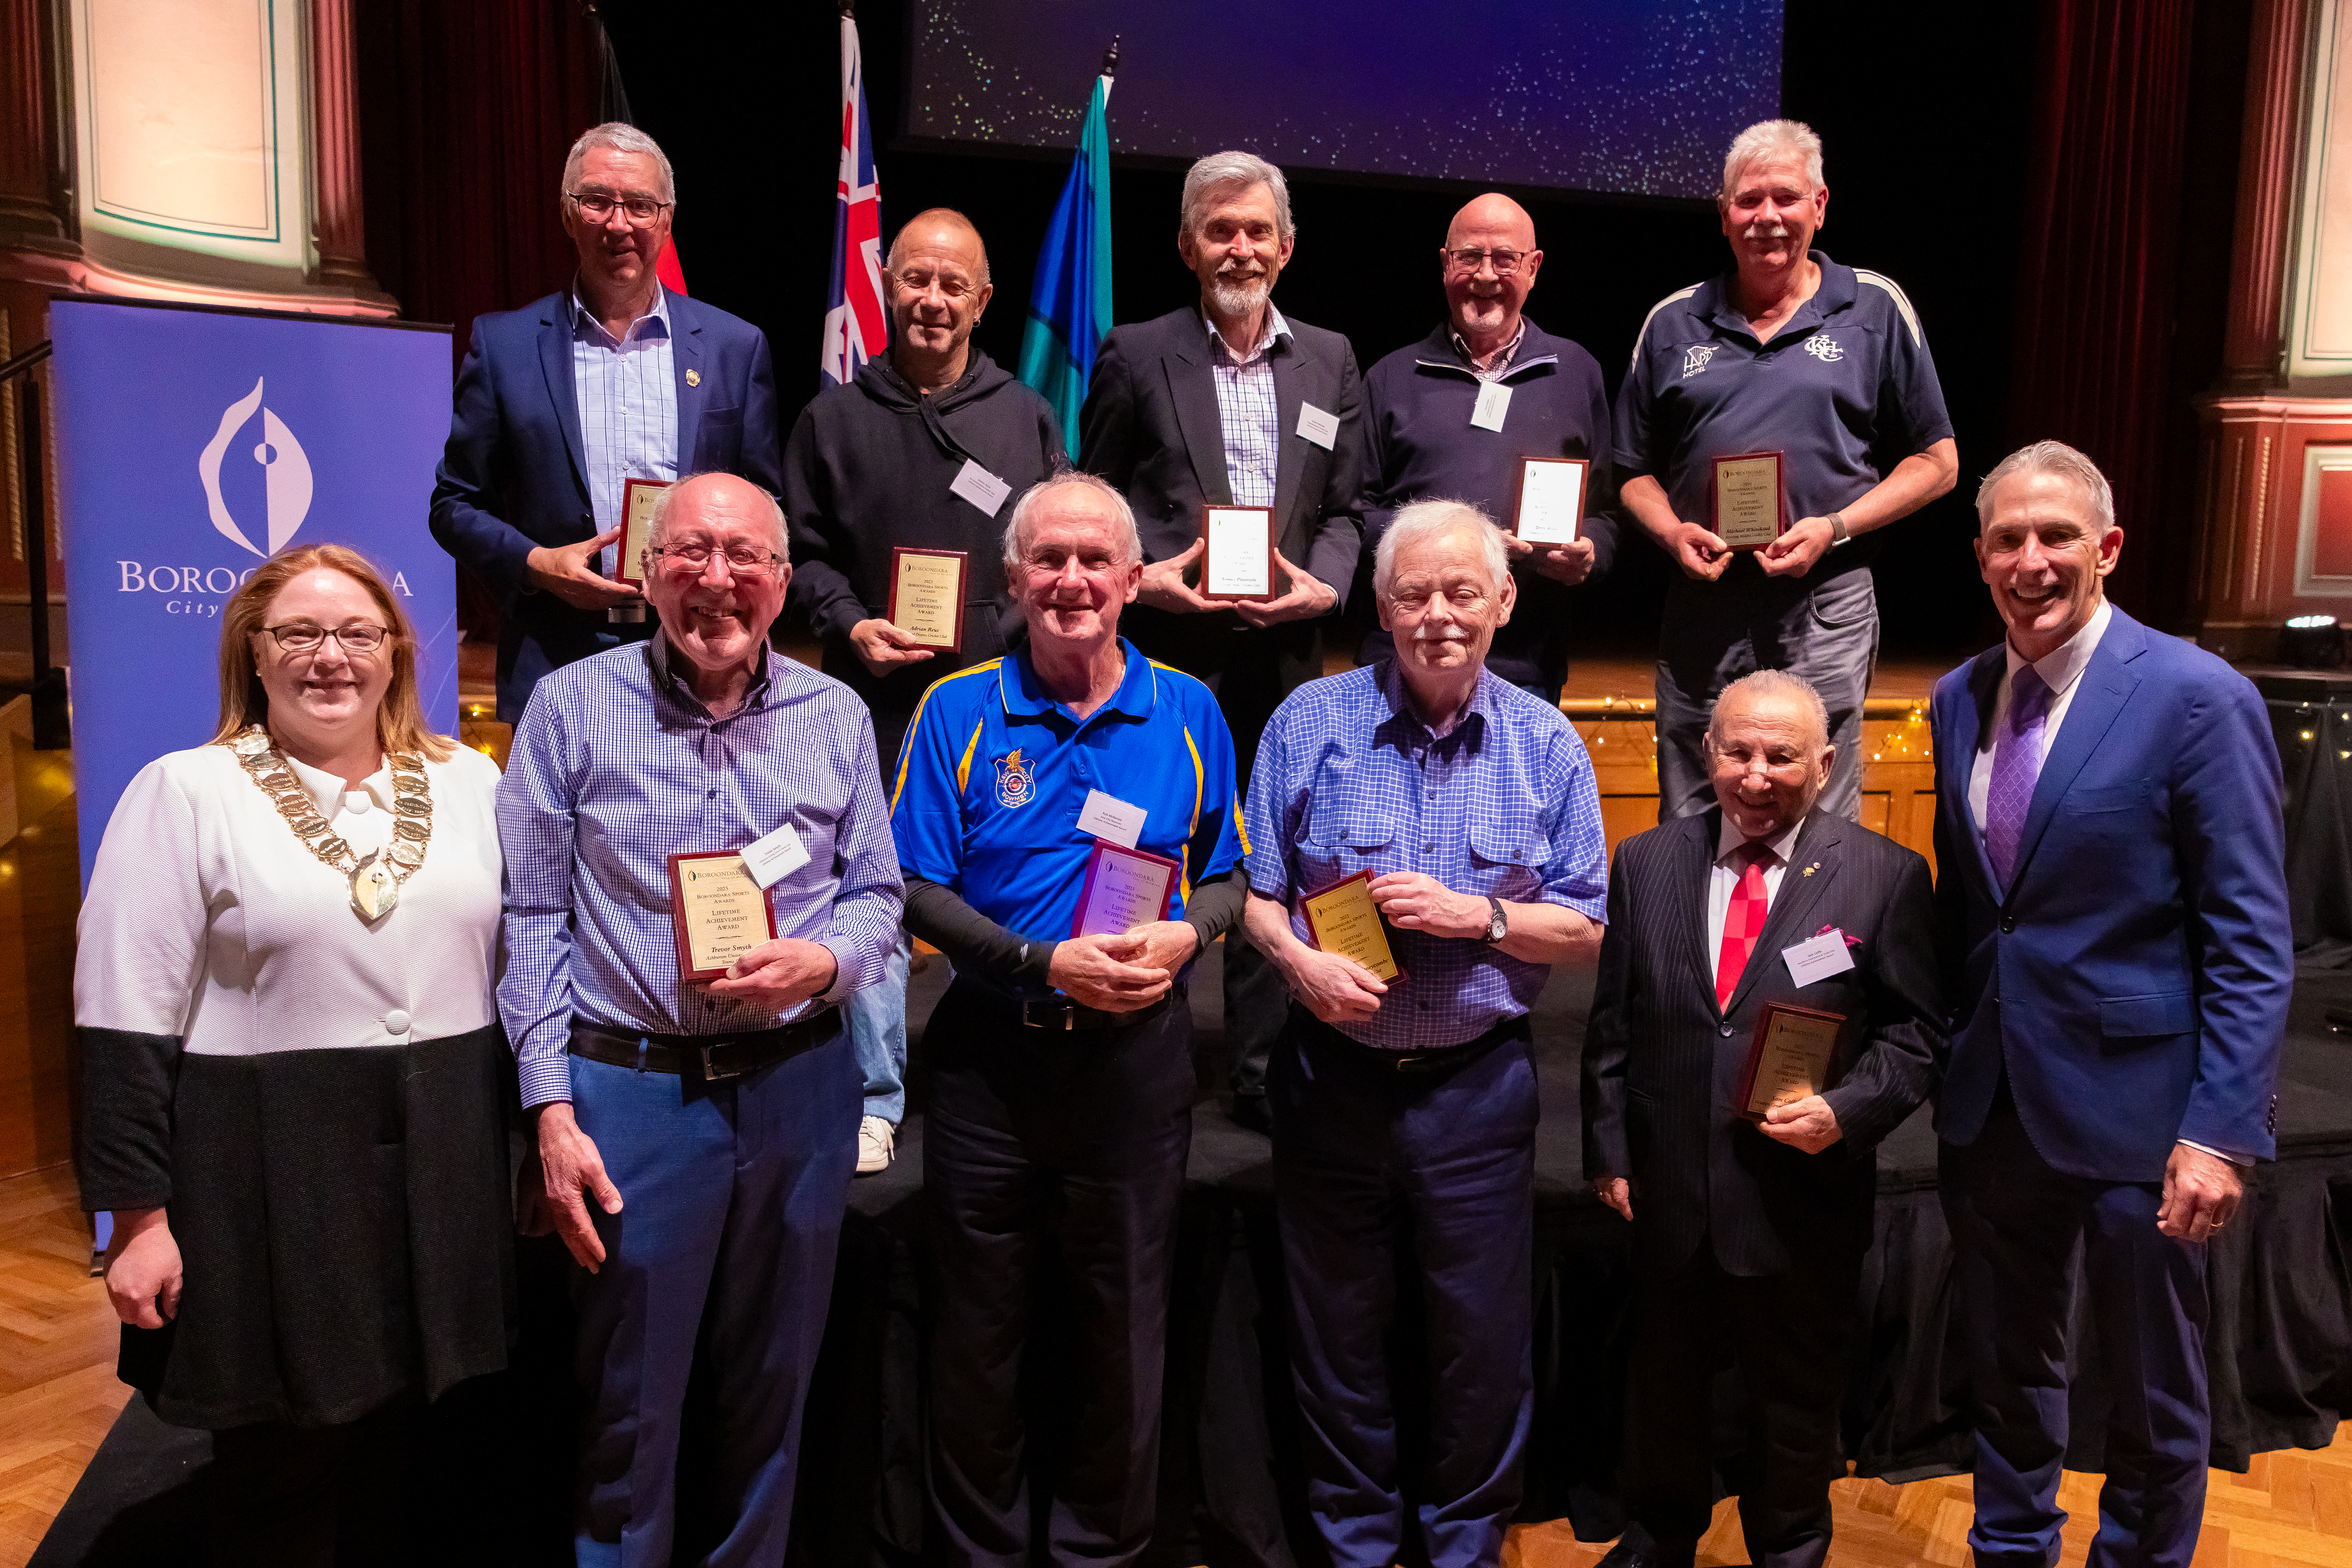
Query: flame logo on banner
(286, 473)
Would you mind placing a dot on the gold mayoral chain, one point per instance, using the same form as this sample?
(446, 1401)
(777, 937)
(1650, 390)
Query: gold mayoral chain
(375, 880)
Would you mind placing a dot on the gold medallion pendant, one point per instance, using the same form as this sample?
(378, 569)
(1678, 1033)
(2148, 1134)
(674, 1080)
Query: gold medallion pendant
(375, 881)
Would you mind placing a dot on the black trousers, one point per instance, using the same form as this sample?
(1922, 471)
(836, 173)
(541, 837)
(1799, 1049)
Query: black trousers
(1787, 1334)
(1051, 1161)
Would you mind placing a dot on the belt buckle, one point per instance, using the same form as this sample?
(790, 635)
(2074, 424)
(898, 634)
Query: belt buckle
(1050, 1015)
(711, 1071)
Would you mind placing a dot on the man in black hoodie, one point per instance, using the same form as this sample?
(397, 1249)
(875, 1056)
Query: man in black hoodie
(924, 449)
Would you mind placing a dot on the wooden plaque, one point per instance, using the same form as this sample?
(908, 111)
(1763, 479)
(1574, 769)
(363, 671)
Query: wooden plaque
(1789, 1060)
(1750, 503)
(1124, 888)
(1551, 505)
(1237, 554)
(926, 595)
(638, 499)
(717, 912)
(1343, 919)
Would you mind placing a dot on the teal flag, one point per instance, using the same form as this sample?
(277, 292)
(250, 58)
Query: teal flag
(1069, 304)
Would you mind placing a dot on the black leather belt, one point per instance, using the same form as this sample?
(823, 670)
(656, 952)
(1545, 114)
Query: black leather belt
(1059, 1015)
(712, 1058)
(1444, 1060)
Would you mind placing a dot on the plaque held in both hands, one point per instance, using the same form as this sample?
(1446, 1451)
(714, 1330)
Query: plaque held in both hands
(1124, 888)
(1342, 919)
(1789, 1060)
(926, 595)
(1238, 552)
(1551, 508)
(1750, 510)
(638, 499)
(717, 913)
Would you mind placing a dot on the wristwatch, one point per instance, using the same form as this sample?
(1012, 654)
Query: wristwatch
(1498, 927)
(1838, 535)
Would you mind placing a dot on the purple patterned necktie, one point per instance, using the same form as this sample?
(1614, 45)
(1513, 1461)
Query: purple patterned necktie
(2016, 765)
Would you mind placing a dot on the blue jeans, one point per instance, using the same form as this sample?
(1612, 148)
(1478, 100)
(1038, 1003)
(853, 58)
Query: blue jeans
(877, 1032)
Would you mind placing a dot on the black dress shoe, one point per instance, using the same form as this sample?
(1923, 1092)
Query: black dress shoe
(1252, 1111)
(1635, 1549)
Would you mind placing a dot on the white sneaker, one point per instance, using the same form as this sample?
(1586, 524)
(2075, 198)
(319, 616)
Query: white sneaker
(877, 1145)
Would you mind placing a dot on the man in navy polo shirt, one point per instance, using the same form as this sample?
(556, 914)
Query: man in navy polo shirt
(1788, 352)
(1453, 415)
(1061, 1098)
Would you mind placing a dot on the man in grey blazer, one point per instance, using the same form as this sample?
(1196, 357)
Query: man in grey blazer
(1751, 1232)
(1229, 402)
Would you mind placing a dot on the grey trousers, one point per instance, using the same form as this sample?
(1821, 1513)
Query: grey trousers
(1713, 632)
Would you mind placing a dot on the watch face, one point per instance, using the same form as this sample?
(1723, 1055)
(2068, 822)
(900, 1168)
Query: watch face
(1497, 927)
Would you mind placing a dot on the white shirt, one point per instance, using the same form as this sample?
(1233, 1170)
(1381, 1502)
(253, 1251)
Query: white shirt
(207, 919)
(2061, 670)
(1723, 880)
(1247, 411)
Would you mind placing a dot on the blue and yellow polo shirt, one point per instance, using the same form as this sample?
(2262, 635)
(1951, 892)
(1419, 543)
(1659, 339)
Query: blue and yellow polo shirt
(994, 774)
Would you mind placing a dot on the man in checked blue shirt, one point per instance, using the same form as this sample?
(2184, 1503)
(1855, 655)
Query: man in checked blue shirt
(1061, 1098)
(1404, 1113)
(722, 1115)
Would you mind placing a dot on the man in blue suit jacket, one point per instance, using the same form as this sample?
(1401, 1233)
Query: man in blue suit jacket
(2112, 898)
(560, 403)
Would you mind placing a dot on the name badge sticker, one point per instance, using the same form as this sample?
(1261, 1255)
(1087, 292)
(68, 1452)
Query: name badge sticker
(776, 856)
(978, 486)
(1818, 958)
(1107, 816)
(1493, 403)
(1318, 426)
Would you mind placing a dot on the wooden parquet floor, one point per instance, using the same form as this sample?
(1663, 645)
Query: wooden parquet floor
(58, 1397)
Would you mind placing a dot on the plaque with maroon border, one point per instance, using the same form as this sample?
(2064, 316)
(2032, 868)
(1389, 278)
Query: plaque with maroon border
(717, 912)
(1124, 888)
(1551, 505)
(1341, 918)
(1237, 552)
(926, 595)
(1750, 505)
(638, 499)
(1789, 1060)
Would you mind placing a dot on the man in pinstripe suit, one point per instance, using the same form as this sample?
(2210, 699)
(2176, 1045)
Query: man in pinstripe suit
(1750, 1234)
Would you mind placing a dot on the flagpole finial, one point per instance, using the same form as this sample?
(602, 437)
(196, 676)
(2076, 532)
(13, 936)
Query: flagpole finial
(849, 9)
(1111, 57)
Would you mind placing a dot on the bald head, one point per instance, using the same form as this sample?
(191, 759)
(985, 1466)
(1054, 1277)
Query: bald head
(938, 286)
(1483, 299)
(940, 228)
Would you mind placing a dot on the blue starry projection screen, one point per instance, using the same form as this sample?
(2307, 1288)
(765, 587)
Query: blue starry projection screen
(1591, 95)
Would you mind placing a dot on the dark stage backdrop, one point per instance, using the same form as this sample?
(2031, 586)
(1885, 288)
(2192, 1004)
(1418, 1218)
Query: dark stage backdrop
(1927, 111)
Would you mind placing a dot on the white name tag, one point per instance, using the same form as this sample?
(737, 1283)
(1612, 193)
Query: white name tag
(1317, 426)
(1107, 816)
(1493, 403)
(1818, 958)
(776, 857)
(981, 487)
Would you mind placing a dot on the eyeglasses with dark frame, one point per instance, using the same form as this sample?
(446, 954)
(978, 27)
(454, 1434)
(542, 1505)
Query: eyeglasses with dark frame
(306, 637)
(598, 205)
(745, 561)
(1505, 261)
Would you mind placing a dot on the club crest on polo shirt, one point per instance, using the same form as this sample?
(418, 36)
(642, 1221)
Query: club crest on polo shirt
(1824, 348)
(1015, 784)
(1695, 359)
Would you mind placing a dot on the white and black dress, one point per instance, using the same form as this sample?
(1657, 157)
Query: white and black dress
(319, 1103)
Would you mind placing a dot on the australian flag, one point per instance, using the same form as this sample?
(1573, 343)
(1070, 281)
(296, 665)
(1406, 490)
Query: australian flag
(856, 329)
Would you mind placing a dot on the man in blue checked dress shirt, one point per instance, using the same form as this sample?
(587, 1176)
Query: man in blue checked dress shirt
(1404, 1113)
(696, 1139)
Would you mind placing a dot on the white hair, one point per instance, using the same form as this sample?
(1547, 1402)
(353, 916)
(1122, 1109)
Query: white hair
(1774, 683)
(1222, 172)
(657, 527)
(620, 137)
(1130, 540)
(1768, 139)
(1426, 520)
(2052, 458)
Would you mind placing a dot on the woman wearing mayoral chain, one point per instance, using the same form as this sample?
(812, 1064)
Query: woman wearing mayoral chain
(293, 1064)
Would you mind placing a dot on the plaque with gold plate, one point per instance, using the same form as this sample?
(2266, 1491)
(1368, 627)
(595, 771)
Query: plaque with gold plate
(1789, 1060)
(1750, 512)
(638, 499)
(1124, 888)
(926, 595)
(1342, 919)
(718, 911)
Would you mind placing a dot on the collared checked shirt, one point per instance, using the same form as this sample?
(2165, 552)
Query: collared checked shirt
(626, 389)
(1497, 363)
(1247, 411)
(616, 766)
(1504, 805)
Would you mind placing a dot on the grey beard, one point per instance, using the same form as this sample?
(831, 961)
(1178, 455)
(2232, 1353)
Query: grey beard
(1233, 298)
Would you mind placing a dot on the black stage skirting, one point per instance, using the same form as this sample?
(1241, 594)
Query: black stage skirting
(2280, 1351)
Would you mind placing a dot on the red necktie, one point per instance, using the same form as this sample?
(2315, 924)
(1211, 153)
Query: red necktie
(1743, 922)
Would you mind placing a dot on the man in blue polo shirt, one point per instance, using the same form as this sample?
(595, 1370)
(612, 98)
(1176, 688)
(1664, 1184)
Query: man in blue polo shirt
(1453, 415)
(1061, 1098)
(1788, 352)
(1404, 1110)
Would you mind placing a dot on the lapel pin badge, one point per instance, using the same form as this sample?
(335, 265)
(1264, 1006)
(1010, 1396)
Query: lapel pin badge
(694, 378)
(1813, 867)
